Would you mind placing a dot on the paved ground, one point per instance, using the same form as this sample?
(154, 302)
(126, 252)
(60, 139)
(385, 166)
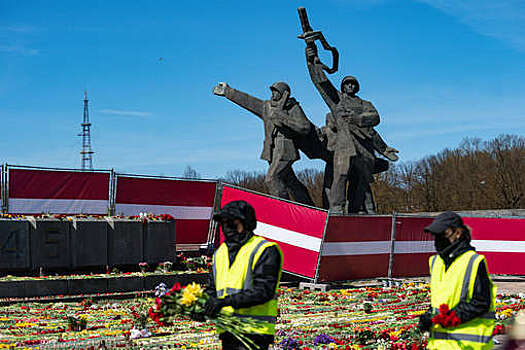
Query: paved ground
(510, 284)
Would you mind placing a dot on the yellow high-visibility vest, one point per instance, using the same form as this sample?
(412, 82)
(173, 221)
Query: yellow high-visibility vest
(238, 277)
(452, 286)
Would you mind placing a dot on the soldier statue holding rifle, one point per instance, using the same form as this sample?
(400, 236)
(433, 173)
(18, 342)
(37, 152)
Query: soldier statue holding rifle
(349, 129)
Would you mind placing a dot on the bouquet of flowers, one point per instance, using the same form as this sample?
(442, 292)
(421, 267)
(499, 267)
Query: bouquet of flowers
(446, 318)
(190, 301)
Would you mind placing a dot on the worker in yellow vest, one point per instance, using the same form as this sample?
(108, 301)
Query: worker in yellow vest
(245, 276)
(462, 295)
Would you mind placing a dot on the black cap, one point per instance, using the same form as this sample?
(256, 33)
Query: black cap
(241, 210)
(444, 221)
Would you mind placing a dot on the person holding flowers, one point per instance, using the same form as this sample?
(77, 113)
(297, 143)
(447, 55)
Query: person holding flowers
(245, 276)
(462, 296)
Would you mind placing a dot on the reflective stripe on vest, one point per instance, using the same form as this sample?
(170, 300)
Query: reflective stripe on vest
(232, 278)
(432, 263)
(248, 281)
(462, 337)
(452, 286)
(466, 279)
(227, 291)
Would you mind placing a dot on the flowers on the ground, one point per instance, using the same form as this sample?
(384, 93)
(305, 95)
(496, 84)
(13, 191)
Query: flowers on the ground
(304, 316)
(190, 301)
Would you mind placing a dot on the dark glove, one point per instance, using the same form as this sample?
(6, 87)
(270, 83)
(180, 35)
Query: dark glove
(197, 317)
(425, 322)
(214, 305)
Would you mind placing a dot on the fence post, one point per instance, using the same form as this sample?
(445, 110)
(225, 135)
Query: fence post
(2, 185)
(112, 192)
(318, 267)
(5, 192)
(392, 246)
(213, 225)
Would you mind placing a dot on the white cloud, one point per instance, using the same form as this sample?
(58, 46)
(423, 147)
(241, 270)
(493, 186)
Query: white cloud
(126, 113)
(19, 50)
(502, 19)
(19, 28)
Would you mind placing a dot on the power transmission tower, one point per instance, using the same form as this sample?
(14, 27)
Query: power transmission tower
(86, 155)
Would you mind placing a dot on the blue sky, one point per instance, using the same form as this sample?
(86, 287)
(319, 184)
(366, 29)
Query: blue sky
(436, 70)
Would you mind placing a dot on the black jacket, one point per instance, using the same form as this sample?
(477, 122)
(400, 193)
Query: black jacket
(481, 296)
(265, 276)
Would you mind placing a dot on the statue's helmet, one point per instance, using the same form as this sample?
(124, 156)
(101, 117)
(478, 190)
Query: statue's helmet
(350, 78)
(280, 87)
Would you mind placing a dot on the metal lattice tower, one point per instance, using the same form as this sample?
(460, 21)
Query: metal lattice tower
(86, 155)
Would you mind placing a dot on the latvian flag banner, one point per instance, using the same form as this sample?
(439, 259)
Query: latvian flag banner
(190, 202)
(297, 229)
(36, 191)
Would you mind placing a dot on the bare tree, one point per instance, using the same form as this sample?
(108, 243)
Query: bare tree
(190, 173)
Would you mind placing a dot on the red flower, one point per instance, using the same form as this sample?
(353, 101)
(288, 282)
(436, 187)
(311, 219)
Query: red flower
(446, 318)
(499, 329)
(176, 287)
(444, 309)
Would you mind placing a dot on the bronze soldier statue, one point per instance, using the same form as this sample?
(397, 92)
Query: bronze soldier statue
(285, 124)
(349, 131)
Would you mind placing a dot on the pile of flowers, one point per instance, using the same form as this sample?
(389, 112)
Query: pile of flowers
(191, 300)
(446, 318)
(336, 319)
(145, 217)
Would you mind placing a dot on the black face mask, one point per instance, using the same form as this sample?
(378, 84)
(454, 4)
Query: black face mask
(441, 242)
(229, 230)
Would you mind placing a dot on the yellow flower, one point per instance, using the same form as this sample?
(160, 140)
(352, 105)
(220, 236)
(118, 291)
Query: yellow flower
(188, 298)
(396, 333)
(194, 289)
(507, 313)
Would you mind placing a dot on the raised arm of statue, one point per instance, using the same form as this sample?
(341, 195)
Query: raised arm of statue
(253, 104)
(325, 87)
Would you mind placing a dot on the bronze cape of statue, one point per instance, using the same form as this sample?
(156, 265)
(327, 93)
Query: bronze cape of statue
(285, 124)
(351, 137)
(347, 143)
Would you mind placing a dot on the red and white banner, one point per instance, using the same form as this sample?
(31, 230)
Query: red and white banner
(297, 229)
(355, 247)
(412, 247)
(34, 191)
(500, 240)
(190, 202)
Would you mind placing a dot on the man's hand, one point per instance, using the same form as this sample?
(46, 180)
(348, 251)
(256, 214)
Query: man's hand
(213, 306)
(220, 89)
(321, 133)
(311, 52)
(390, 153)
(425, 322)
